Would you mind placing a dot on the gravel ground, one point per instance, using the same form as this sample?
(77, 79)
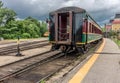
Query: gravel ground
(27, 53)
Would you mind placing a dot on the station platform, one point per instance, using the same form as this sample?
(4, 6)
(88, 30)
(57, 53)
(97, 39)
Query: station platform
(102, 67)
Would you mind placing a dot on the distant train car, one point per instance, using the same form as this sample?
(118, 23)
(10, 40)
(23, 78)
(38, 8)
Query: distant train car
(72, 28)
(46, 34)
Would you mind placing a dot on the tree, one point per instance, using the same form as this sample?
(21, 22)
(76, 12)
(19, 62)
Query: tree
(1, 4)
(11, 28)
(9, 15)
(6, 14)
(43, 28)
(33, 20)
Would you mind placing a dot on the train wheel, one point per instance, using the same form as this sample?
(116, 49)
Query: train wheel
(85, 48)
(79, 49)
(55, 47)
(52, 48)
(64, 48)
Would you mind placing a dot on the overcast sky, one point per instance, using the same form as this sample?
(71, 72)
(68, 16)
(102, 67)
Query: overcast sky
(101, 10)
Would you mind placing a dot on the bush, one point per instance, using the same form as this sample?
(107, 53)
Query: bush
(118, 37)
(9, 36)
(36, 36)
(6, 36)
(25, 35)
(12, 36)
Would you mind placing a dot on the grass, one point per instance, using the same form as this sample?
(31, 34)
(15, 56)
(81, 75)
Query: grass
(116, 41)
(42, 81)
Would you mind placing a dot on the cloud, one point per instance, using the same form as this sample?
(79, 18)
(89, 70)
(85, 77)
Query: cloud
(100, 10)
(34, 8)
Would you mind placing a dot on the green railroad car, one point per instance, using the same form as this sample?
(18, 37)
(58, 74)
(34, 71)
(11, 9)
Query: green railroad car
(72, 28)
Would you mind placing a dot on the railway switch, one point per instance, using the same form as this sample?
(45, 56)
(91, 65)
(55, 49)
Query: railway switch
(18, 47)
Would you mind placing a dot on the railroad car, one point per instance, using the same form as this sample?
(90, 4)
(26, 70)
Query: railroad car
(72, 28)
(46, 34)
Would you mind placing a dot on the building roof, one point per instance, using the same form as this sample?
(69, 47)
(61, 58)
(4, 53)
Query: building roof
(115, 21)
(117, 16)
(108, 26)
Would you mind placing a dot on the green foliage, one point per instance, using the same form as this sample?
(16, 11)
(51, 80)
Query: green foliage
(1, 4)
(25, 35)
(42, 81)
(11, 28)
(117, 41)
(103, 29)
(43, 28)
(6, 14)
(9, 36)
(113, 33)
(24, 28)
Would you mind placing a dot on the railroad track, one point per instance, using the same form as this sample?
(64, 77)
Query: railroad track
(3, 43)
(21, 44)
(35, 70)
(26, 46)
(15, 68)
